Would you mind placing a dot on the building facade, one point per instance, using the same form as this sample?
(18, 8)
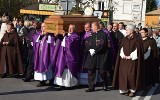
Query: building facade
(127, 11)
(130, 11)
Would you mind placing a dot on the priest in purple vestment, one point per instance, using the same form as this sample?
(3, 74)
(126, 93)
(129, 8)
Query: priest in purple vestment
(83, 76)
(67, 64)
(43, 45)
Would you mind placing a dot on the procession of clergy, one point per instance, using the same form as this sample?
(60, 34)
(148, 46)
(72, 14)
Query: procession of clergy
(69, 59)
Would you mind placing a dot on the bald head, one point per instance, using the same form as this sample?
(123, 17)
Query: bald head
(115, 26)
(95, 26)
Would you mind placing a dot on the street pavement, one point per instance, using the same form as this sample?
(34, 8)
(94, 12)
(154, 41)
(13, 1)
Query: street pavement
(16, 89)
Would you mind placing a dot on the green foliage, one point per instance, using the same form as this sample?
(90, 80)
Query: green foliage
(13, 6)
(151, 5)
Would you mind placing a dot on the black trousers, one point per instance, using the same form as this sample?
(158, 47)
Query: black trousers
(92, 75)
(30, 68)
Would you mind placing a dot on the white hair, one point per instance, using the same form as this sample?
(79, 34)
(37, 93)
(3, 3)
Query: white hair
(131, 27)
(26, 23)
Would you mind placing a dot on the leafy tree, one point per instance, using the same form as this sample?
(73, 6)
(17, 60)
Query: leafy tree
(151, 5)
(13, 6)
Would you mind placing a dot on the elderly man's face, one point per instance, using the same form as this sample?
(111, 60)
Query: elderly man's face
(109, 27)
(128, 31)
(115, 27)
(43, 26)
(71, 29)
(94, 28)
(87, 28)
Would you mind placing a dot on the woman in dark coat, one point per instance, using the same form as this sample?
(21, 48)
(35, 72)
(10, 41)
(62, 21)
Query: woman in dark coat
(129, 75)
(11, 63)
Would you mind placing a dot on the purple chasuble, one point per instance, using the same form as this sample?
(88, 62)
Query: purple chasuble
(68, 56)
(111, 44)
(43, 50)
(56, 51)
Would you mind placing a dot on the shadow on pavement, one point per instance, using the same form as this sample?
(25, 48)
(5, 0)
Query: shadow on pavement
(157, 91)
(52, 88)
(29, 91)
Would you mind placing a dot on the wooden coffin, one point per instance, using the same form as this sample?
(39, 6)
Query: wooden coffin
(55, 24)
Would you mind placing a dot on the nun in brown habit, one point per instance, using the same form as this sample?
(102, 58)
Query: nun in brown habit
(11, 62)
(129, 74)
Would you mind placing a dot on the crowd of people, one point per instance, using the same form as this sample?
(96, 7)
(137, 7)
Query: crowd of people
(122, 55)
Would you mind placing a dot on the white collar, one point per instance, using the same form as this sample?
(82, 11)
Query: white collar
(69, 34)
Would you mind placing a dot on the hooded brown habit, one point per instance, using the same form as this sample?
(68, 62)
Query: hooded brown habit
(130, 74)
(10, 54)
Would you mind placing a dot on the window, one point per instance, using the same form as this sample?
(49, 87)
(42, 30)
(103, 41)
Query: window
(127, 8)
(100, 5)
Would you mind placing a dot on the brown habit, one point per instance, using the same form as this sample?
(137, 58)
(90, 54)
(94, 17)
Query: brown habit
(10, 54)
(130, 74)
(156, 61)
(150, 61)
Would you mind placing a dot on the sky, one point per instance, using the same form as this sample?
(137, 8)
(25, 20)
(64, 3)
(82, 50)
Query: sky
(158, 2)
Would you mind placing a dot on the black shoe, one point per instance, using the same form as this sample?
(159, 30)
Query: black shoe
(4, 76)
(26, 80)
(15, 76)
(40, 84)
(105, 86)
(106, 89)
(50, 83)
(20, 76)
(90, 90)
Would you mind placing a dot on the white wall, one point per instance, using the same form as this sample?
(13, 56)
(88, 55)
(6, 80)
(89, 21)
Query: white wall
(130, 10)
